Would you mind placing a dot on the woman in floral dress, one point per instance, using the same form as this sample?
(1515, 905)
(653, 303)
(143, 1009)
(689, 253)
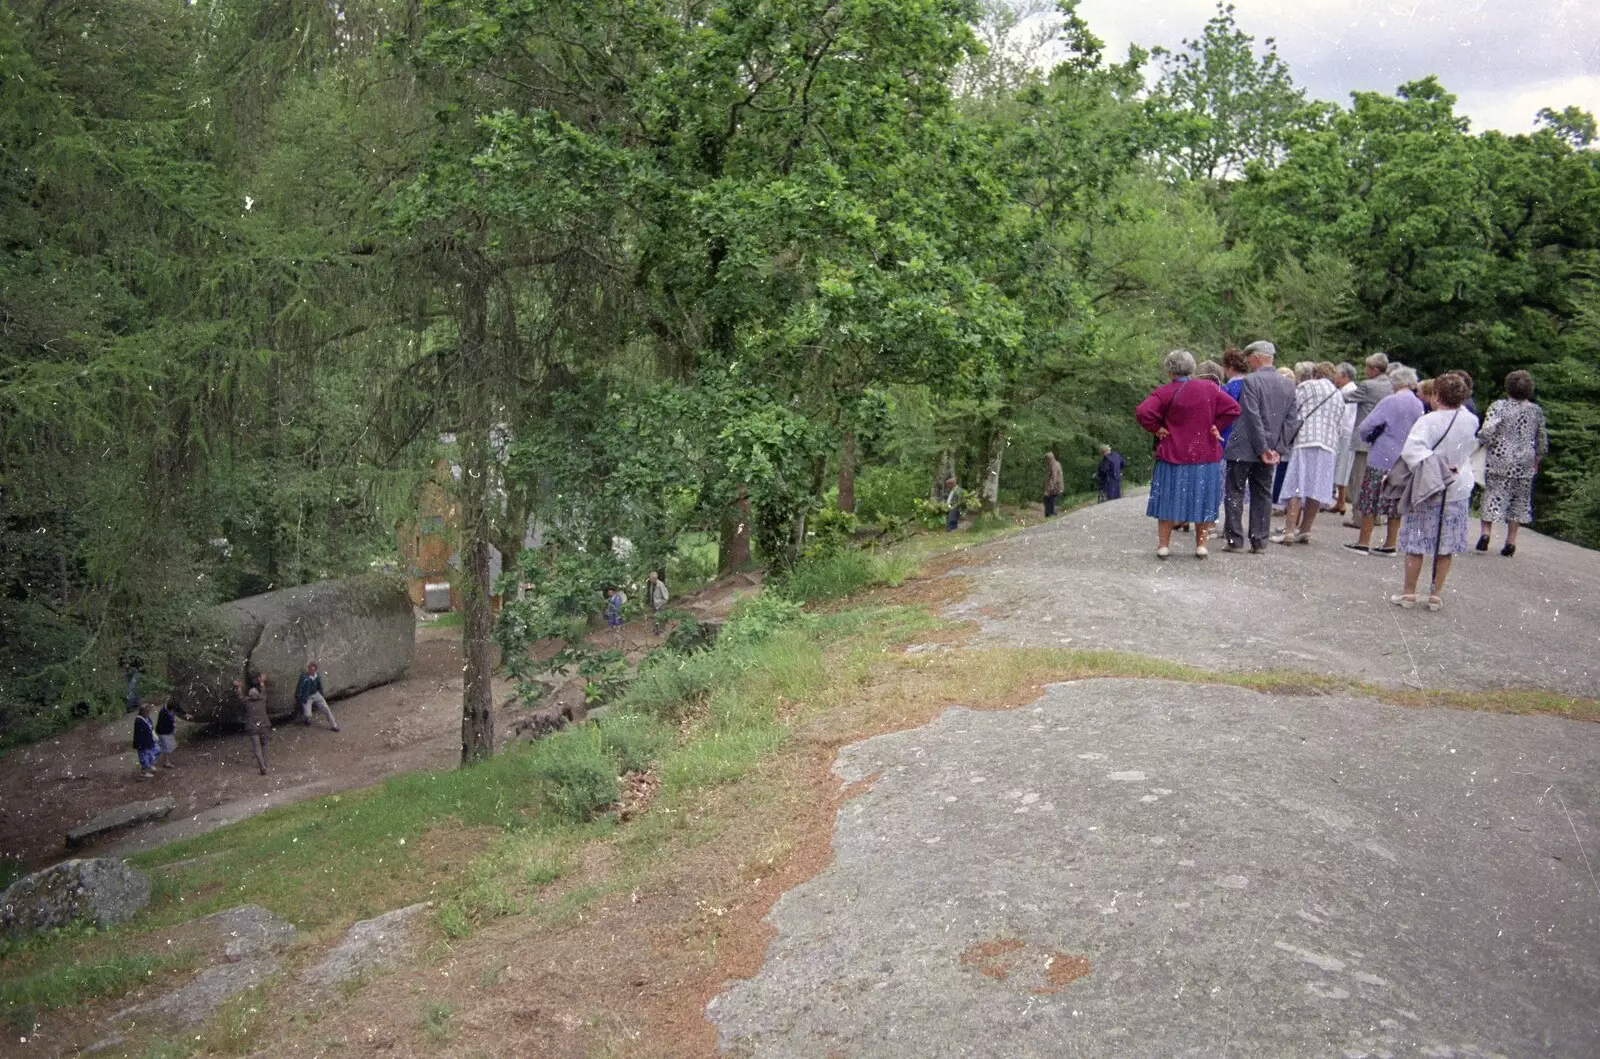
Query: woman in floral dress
(1515, 442)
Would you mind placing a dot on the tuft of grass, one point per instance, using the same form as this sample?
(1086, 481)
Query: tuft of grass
(74, 983)
(449, 620)
(845, 573)
(435, 1020)
(634, 740)
(579, 777)
(237, 1025)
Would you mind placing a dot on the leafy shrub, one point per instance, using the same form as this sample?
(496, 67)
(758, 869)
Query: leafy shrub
(883, 492)
(827, 532)
(580, 778)
(694, 564)
(633, 740)
(754, 620)
(688, 635)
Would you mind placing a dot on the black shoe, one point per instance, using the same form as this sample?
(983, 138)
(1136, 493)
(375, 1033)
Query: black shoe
(1232, 546)
(1362, 548)
(1383, 551)
(1256, 548)
(1483, 543)
(1509, 550)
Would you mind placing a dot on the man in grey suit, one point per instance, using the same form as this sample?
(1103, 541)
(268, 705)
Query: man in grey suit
(1374, 388)
(1265, 427)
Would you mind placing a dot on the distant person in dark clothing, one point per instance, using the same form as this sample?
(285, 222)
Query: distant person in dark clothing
(1108, 476)
(144, 743)
(257, 725)
(953, 499)
(308, 696)
(130, 697)
(1054, 484)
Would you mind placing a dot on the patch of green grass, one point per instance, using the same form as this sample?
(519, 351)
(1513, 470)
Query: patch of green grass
(846, 572)
(435, 1020)
(579, 777)
(74, 983)
(452, 619)
(634, 740)
(237, 1025)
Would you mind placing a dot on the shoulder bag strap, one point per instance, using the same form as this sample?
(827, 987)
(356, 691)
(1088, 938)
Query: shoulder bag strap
(1307, 417)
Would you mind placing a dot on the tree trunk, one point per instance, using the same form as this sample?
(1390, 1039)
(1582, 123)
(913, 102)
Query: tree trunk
(847, 472)
(733, 547)
(990, 492)
(477, 692)
(943, 469)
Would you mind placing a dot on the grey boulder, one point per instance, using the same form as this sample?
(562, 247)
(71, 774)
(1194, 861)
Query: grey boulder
(377, 944)
(99, 891)
(359, 630)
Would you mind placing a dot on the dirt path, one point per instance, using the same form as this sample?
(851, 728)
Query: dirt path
(410, 724)
(413, 723)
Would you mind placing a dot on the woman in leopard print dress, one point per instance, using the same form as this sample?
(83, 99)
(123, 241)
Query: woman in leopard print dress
(1515, 441)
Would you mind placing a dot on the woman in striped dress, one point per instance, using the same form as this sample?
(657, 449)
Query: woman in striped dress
(1187, 416)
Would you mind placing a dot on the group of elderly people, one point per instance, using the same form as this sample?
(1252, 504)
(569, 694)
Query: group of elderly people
(1224, 431)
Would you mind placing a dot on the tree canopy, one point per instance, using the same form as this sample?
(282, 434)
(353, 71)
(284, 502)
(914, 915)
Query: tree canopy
(657, 269)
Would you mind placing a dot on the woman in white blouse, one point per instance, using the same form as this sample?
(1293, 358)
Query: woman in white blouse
(1308, 483)
(1439, 527)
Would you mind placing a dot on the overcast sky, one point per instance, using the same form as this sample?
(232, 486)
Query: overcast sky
(1503, 59)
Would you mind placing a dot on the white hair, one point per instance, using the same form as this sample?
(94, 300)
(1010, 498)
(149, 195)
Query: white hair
(1178, 362)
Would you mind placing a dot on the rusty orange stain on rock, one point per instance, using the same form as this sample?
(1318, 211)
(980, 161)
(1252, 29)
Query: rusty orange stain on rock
(1060, 971)
(989, 958)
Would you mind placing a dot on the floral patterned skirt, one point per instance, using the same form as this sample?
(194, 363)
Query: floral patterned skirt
(1424, 526)
(1370, 501)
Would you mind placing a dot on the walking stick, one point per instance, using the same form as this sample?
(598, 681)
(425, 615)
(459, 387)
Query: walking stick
(1438, 539)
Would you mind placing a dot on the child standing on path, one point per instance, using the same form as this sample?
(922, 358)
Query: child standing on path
(167, 732)
(144, 742)
(615, 601)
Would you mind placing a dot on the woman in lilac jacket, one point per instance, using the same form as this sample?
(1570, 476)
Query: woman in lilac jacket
(1187, 416)
(1385, 429)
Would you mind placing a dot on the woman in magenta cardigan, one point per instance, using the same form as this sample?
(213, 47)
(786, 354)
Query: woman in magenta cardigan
(1187, 416)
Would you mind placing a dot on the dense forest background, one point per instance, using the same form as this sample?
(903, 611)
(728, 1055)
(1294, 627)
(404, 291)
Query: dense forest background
(671, 267)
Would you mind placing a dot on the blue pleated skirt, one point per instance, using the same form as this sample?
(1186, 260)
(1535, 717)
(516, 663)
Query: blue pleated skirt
(1185, 492)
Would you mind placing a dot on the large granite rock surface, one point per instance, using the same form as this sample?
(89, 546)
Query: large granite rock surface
(359, 630)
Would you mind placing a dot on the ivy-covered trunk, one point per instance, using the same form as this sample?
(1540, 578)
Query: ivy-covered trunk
(733, 545)
(990, 491)
(847, 472)
(477, 693)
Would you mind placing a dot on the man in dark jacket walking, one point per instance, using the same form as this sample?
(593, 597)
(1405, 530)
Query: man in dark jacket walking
(1265, 428)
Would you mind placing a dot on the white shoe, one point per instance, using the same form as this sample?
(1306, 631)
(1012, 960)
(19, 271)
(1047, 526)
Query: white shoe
(1162, 553)
(1201, 552)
